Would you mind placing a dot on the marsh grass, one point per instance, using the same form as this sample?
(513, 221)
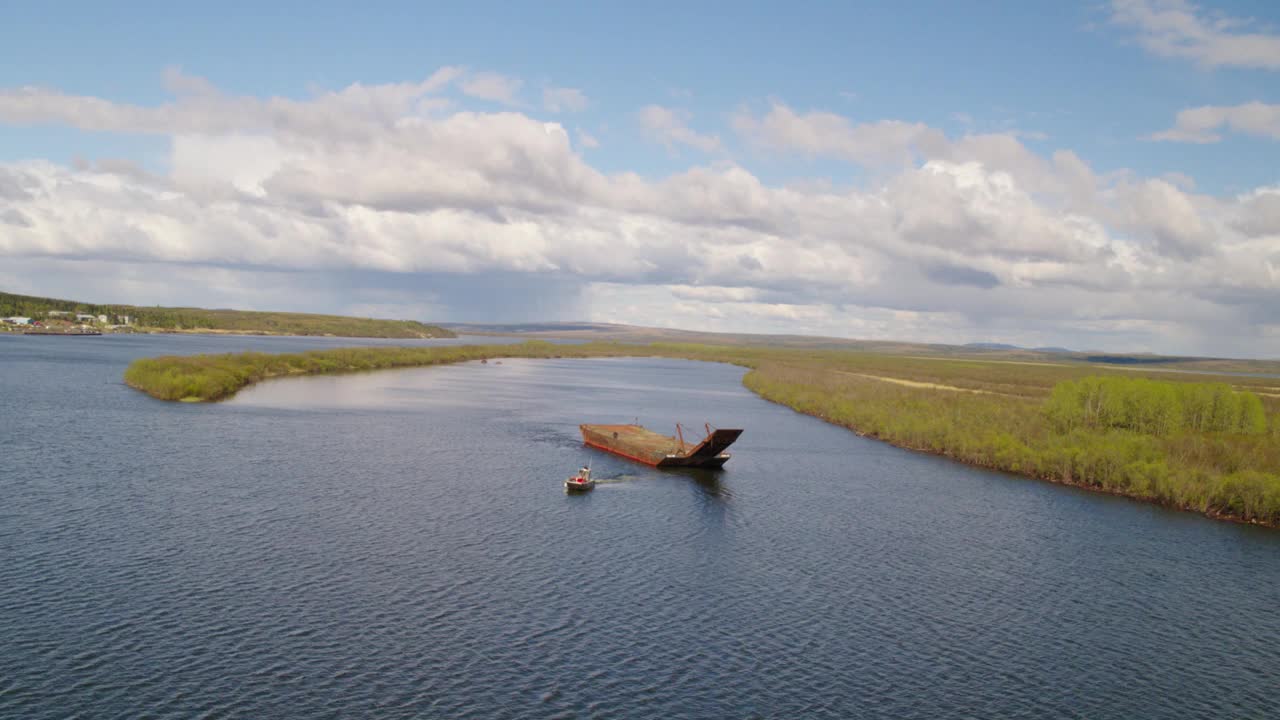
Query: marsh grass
(1212, 448)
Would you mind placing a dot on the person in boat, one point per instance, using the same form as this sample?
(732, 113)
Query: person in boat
(583, 473)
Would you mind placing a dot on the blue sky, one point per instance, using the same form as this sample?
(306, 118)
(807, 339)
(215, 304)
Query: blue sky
(794, 95)
(1057, 69)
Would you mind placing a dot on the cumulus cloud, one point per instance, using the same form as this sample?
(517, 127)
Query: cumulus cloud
(367, 190)
(1179, 29)
(200, 109)
(715, 293)
(14, 217)
(824, 133)
(670, 127)
(1258, 214)
(898, 145)
(1199, 125)
(967, 208)
(493, 87)
(563, 99)
(1168, 218)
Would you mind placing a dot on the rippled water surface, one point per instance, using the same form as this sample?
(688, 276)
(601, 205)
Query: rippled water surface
(397, 544)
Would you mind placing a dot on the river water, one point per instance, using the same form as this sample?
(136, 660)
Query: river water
(398, 545)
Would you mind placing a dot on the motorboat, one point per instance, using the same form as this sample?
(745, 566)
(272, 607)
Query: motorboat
(580, 482)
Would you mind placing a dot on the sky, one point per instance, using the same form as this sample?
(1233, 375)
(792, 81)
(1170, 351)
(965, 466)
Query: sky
(1102, 175)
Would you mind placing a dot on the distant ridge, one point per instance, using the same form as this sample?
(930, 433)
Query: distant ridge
(1005, 346)
(583, 330)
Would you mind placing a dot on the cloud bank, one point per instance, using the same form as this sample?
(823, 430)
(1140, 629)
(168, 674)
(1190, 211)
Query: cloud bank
(392, 197)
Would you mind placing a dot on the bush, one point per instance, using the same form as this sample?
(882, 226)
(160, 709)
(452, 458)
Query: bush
(1153, 407)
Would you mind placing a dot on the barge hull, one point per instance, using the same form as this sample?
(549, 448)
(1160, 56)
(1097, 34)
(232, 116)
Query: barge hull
(642, 445)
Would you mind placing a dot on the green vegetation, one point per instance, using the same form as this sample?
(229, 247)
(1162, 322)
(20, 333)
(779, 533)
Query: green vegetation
(1167, 438)
(214, 377)
(1224, 474)
(1154, 407)
(167, 319)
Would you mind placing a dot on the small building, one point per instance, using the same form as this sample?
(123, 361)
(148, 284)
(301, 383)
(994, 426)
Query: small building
(102, 319)
(124, 320)
(18, 320)
(58, 313)
(81, 317)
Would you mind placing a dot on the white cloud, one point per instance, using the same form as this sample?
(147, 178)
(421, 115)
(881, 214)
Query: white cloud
(1179, 29)
(493, 87)
(1258, 215)
(968, 208)
(1168, 218)
(824, 133)
(714, 293)
(1200, 124)
(352, 192)
(345, 112)
(587, 140)
(563, 99)
(670, 127)
(686, 308)
(242, 161)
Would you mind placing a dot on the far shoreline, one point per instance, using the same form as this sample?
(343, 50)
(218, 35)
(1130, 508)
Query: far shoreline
(216, 332)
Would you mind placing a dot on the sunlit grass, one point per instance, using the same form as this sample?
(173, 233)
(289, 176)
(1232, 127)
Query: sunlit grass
(1173, 440)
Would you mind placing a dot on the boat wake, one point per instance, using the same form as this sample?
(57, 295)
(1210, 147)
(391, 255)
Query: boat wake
(617, 479)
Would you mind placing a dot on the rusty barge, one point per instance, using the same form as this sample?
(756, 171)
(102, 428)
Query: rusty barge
(643, 445)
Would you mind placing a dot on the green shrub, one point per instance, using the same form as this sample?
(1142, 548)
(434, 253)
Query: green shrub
(1153, 407)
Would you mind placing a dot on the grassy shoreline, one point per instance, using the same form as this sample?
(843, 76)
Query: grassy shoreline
(207, 378)
(995, 416)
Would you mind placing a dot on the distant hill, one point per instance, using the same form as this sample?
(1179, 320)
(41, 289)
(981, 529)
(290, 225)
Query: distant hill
(984, 351)
(181, 319)
(640, 334)
(1005, 346)
(1137, 359)
(516, 328)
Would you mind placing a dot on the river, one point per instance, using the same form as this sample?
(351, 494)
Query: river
(398, 545)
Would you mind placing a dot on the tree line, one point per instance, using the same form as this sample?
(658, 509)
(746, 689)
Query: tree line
(1154, 407)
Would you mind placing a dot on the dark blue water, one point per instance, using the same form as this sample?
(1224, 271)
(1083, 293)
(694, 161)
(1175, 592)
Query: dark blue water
(397, 545)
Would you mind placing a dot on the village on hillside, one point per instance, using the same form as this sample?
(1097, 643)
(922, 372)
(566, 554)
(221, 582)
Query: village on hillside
(67, 321)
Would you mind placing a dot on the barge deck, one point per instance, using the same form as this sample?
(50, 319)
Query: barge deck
(643, 445)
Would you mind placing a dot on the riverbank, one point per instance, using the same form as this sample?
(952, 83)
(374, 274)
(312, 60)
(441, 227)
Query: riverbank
(267, 333)
(1003, 427)
(206, 378)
